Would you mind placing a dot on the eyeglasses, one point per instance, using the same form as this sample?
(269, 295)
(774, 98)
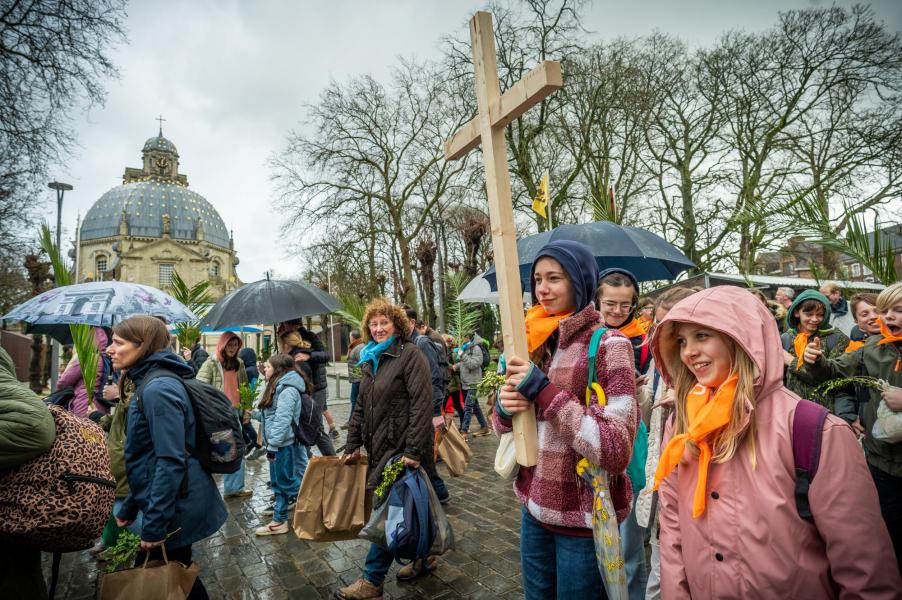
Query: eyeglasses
(621, 306)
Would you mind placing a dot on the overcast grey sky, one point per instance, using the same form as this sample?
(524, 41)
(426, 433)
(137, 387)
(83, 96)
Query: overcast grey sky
(231, 78)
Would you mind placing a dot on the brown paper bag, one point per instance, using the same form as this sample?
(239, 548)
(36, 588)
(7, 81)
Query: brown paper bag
(454, 451)
(331, 503)
(154, 580)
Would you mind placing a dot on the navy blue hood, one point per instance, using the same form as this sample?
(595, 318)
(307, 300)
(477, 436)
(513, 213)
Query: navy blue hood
(249, 357)
(579, 263)
(164, 359)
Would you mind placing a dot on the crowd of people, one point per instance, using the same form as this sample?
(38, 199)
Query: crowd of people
(741, 487)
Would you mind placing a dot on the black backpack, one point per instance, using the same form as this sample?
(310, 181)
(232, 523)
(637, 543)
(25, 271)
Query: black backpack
(219, 442)
(307, 431)
(486, 356)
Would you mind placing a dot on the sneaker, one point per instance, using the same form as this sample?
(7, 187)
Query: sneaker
(344, 425)
(257, 453)
(444, 500)
(484, 431)
(333, 433)
(268, 511)
(359, 590)
(239, 494)
(273, 529)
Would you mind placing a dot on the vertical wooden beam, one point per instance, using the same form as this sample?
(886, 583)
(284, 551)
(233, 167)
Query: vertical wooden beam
(501, 214)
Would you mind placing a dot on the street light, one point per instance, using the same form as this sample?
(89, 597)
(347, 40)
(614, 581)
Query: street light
(61, 189)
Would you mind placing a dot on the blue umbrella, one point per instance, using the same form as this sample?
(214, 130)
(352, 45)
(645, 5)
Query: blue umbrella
(647, 255)
(97, 303)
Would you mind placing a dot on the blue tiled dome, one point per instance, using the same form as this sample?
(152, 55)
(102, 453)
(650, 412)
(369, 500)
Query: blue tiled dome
(145, 203)
(159, 143)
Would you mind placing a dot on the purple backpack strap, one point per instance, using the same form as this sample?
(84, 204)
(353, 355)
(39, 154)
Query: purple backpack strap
(807, 430)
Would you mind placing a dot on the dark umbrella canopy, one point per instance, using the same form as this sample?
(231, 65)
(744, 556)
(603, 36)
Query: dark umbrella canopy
(269, 301)
(642, 252)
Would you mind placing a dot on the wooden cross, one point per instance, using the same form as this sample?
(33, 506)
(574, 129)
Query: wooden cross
(495, 112)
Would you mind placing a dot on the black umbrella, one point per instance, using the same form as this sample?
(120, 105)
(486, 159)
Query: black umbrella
(269, 301)
(647, 255)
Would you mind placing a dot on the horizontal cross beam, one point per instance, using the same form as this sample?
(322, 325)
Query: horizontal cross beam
(529, 91)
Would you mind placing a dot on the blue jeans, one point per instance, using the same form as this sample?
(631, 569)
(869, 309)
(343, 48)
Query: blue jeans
(557, 566)
(355, 389)
(285, 483)
(378, 562)
(632, 542)
(302, 456)
(471, 405)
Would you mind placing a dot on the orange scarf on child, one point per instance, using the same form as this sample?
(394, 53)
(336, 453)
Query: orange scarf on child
(707, 414)
(632, 329)
(540, 325)
(854, 345)
(800, 343)
(888, 338)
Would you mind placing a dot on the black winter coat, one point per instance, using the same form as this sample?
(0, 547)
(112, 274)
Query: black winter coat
(393, 414)
(319, 358)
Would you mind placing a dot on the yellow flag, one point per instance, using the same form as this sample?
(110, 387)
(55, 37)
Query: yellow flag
(540, 202)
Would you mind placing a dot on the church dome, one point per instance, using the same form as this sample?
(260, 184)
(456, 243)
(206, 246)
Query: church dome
(145, 203)
(160, 144)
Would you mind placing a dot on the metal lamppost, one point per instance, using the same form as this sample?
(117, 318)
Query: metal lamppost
(61, 189)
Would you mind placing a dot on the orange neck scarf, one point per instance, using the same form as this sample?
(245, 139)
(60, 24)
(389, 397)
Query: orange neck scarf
(707, 414)
(854, 345)
(540, 325)
(631, 329)
(799, 344)
(888, 338)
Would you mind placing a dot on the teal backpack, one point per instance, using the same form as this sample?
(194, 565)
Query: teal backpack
(636, 469)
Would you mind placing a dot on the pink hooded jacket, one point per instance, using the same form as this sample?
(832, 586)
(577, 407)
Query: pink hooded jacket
(750, 542)
(71, 377)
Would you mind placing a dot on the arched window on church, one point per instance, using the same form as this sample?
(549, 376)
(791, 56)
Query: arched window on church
(100, 267)
(214, 270)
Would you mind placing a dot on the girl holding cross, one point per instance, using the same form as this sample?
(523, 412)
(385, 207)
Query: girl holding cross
(557, 550)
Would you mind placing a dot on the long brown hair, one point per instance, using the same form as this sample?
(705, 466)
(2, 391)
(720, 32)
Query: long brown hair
(726, 443)
(146, 332)
(281, 364)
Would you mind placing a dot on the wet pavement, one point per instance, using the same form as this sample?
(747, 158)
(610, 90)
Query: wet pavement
(236, 564)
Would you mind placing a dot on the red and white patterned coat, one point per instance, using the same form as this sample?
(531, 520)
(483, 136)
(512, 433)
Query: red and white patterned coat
(551, 491)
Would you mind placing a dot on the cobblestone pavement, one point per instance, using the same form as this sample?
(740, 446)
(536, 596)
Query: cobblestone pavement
(235, 564)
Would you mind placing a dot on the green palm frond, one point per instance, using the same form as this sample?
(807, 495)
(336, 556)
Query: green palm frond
(198, 300)
(353, 308)
(61, 274)
(463, 317)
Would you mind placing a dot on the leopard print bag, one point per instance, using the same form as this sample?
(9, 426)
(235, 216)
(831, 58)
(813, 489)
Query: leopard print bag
(60, 501)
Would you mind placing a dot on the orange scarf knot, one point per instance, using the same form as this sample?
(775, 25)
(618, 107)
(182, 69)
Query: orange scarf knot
(540, 325)
(854, 345)
(706, 414)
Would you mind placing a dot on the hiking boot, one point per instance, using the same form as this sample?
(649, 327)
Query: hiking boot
(417, 568)
(239, 494)
(273, 529)
(359, 590)
(333, 433)
(484, 431)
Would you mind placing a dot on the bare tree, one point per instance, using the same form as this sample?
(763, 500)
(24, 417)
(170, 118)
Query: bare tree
(376, 148)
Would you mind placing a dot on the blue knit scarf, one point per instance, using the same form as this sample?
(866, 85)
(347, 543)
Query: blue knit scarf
(373, 351)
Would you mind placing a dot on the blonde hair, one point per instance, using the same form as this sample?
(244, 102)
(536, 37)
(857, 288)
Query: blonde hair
(889, 297)
(727, 442)
(293, 339)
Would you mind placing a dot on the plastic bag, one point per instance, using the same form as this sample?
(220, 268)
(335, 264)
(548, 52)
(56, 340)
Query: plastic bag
(374, 530)
(888, 426)
(506, 457)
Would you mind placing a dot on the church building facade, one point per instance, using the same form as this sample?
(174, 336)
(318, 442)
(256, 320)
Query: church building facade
(152, 226)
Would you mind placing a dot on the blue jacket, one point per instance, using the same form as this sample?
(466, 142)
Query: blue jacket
(156, 459)
(285, 410)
